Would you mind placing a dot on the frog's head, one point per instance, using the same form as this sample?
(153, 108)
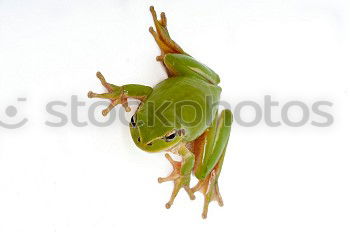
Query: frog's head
(154, 137)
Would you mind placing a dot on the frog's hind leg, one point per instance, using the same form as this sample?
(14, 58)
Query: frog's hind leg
(210, 188)
(162, 37)
(209, 150)
(175, 60)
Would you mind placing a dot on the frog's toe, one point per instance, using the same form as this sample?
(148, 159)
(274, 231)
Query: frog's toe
(190, 192)
(180, 181)
(162, 21)
(161, 35)
(210, 189)
(175, 173)
(114, 94)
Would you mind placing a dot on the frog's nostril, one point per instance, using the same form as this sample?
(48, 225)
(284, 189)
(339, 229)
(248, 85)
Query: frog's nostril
(138, 139)
(149, 144)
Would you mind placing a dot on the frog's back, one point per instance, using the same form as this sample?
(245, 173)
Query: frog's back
(185, 88)
(186, 102)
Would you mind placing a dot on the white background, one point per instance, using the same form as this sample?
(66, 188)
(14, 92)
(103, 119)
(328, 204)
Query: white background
(95, 179)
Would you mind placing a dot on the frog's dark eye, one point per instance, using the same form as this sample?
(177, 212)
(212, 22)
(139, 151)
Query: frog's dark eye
(170, 137)
(133, 121)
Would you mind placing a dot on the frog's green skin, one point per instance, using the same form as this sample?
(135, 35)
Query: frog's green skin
(197, 133)
(185, 89)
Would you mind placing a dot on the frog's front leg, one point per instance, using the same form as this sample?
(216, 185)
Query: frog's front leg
(120, 94)
(212, 145)
(181, 174)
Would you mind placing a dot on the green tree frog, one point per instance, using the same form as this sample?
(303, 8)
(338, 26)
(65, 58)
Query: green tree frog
(189, 125)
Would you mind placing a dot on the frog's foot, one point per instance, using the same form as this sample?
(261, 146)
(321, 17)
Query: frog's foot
(115, 94)
(162, 37)
(210, 189)
(180, 181)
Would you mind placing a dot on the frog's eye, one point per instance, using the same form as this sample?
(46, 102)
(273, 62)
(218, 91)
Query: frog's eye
(133, 121)
(170, 137)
